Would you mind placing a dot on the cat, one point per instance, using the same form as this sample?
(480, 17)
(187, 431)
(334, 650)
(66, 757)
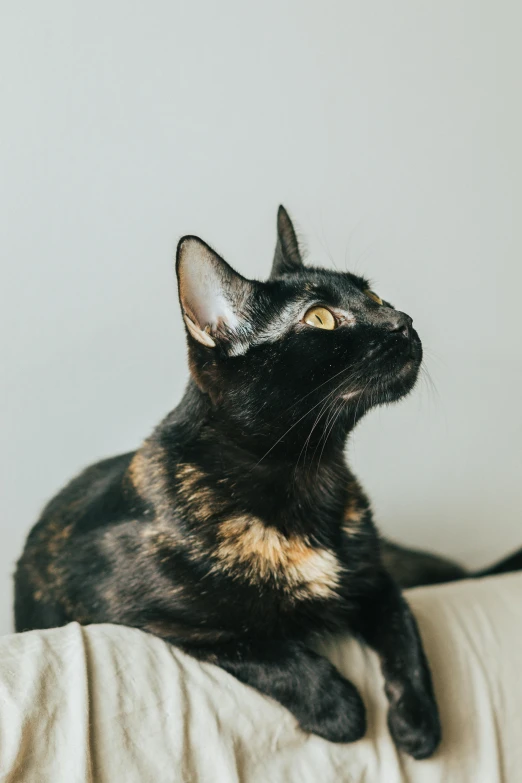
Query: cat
(236, 531)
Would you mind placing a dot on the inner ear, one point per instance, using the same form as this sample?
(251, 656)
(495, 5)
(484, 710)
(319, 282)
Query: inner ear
(287, 257)
(212, 295)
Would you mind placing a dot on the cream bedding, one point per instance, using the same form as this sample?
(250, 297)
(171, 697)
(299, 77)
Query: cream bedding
(107, 703)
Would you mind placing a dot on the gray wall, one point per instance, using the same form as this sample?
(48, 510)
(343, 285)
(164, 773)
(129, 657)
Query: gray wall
(392, 133)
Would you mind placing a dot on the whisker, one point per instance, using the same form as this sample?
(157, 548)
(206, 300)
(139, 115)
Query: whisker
(322, 411)
(296, 423)
(338, 413)
(326, 408)
(326, 247)
(328, 380)
(429, 382)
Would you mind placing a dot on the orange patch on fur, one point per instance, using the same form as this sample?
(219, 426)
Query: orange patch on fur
(262, 553)
(142, 472)
(353, 515)
(355, 509)
(198, 496)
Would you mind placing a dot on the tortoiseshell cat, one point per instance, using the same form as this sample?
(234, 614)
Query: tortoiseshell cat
(237, 532)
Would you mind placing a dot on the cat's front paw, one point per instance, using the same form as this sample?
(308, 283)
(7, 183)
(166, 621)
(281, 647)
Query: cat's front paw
(414, 723)
(340, 716)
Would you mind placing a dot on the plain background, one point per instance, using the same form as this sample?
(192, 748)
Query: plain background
(392, 133)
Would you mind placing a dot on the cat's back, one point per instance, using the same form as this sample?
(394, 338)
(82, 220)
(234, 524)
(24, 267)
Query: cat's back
(100, 496)
(92, 499)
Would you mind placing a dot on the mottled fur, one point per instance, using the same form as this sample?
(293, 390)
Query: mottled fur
(237, 531)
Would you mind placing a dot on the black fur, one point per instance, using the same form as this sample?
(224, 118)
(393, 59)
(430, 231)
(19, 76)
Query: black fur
(237, 531)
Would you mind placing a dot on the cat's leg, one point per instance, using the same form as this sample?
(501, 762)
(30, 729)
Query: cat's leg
(385, 622)
(308, 685)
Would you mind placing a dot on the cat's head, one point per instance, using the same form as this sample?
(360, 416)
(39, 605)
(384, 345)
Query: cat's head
(307, 343)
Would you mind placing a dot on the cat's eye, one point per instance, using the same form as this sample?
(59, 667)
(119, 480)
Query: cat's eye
(373, 296)
(320, 317)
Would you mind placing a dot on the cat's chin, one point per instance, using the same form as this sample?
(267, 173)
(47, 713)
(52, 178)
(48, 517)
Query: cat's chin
(388, 387)
(402, 382)
(399, 381)
(394, 378)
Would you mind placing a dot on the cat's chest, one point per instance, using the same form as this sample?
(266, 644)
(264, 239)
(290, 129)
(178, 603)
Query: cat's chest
(281, 554)
(237, 543)
(251, 551)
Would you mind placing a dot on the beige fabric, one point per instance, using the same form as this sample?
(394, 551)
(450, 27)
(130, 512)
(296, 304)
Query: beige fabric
(109, 704)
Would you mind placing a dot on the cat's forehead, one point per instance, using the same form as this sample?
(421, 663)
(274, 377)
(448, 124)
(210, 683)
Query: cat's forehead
(329, 285)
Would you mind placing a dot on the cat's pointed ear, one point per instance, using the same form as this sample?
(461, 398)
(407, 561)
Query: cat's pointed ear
(287, 258)
(212, 294)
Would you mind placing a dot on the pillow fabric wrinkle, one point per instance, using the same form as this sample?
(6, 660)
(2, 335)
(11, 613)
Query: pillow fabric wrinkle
(105, 703)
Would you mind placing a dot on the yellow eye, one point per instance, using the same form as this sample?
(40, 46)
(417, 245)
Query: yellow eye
(373, 296)
(320, 317)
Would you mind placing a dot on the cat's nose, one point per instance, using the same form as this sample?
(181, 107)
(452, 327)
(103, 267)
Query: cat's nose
(400, 323)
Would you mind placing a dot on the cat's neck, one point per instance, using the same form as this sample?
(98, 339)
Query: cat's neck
(304, 493)
(275, 483)
(290, 444)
